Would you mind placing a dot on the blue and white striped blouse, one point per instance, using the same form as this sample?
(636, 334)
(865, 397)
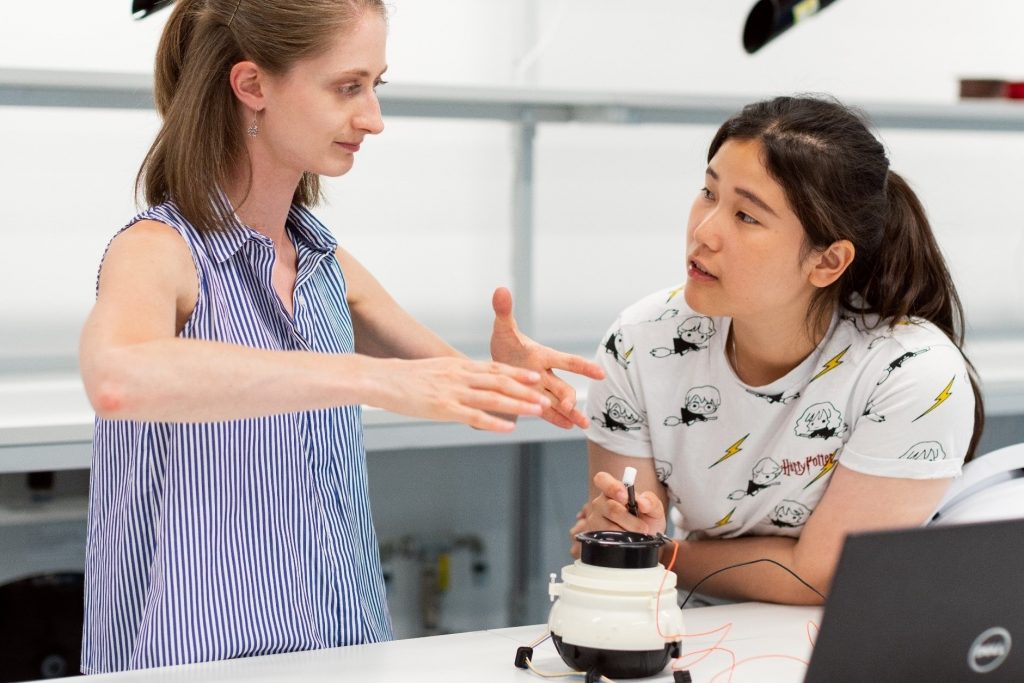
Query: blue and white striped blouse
(240, 538)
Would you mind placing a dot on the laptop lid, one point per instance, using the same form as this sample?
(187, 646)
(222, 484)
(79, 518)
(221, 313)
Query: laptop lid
(943, 603)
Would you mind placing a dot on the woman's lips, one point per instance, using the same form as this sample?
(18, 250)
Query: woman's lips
(696, 272)
(348, 147)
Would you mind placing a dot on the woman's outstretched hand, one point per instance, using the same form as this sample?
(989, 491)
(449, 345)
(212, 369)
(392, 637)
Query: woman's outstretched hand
(509, 345)
(608, 511)
(457, 390)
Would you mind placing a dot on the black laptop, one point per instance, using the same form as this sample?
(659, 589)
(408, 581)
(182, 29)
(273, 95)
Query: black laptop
(941, 603)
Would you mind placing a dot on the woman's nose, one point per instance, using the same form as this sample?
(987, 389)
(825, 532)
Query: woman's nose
(706, 231)
(369, 118)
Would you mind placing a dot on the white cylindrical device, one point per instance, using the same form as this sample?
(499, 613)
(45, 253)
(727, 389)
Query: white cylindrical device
(616, 611)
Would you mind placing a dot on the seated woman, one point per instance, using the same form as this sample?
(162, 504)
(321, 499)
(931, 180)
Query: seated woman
(807, 381)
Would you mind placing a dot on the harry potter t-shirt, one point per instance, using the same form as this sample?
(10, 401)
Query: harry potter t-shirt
(892, 401)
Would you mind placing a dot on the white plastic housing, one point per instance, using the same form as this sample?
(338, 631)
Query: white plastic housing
(614, 609)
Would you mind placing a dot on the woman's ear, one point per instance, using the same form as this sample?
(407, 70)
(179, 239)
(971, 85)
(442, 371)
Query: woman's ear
(247, 83)
(830, 263)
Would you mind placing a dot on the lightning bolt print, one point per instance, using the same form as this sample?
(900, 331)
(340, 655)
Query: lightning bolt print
(730, 451)
(826, 468)
(833, 363)
(724, 520)
(672, 293)
(939, 400)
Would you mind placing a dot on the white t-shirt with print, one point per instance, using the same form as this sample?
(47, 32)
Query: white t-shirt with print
(737, 459)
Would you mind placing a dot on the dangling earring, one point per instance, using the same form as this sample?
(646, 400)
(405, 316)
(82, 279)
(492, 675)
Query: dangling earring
(254, 128)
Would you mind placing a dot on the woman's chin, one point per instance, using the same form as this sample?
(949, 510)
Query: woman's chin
(334, 169)
(699, 302)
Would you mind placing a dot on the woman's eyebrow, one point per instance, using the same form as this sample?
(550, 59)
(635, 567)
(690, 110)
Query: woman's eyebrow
(760, 203)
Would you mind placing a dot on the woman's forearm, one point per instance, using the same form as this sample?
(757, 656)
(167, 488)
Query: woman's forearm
(179, 380)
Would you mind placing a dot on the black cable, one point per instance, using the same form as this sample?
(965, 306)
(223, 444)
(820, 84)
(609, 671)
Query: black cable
(744, 564)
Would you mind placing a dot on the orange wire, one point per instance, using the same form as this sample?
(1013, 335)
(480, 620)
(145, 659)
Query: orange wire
(661, 586)
(707, 633)
(704, 652)
(732, 665)
(732, 668)
(812, 637)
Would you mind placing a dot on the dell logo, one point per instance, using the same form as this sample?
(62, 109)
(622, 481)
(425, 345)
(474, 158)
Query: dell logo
(989, 650)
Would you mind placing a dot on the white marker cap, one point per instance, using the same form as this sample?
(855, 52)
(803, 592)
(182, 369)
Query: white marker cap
(629, 476)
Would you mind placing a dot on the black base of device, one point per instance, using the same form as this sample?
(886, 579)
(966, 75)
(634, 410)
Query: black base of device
(615, 663)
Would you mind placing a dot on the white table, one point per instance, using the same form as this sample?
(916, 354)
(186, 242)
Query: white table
(767, 643)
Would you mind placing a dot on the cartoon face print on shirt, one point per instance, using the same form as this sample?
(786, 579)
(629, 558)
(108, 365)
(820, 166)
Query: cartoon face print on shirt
(820, 421)
(619, 416)
(662, 469)
(925, 450)
(691, 335)
(898, 363)
(701, 403)
(764, 474)
(616, 347)
(789, 514)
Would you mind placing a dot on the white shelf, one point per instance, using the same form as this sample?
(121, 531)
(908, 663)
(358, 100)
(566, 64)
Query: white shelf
(112, 90)
(60, 509)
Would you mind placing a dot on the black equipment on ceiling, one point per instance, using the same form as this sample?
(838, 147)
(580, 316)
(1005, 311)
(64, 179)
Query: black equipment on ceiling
(143, 8)
(770, 18)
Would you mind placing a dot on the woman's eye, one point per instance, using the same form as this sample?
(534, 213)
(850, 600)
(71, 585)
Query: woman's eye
(350, 89)
(379, 82)
(746, 218)
(708, 194)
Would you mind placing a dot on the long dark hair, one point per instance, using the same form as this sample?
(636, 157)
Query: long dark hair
(836, 177)
(201, 143)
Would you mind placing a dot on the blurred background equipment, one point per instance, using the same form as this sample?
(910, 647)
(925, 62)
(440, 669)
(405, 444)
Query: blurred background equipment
(769, 18)
(991, 88)
(41, 626)
(143, 8)
(432, 557)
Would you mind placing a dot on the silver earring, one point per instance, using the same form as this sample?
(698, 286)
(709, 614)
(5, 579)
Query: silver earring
(254, 128)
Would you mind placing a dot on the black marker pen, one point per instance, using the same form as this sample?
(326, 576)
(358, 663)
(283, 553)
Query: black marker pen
(629, 478)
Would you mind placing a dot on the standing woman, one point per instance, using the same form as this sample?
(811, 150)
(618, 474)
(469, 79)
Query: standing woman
(807, 380)
(232, 343)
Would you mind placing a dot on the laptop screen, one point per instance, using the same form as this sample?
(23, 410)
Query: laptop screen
(943, 603)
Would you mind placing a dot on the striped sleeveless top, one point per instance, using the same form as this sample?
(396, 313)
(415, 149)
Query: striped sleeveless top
(239, 538)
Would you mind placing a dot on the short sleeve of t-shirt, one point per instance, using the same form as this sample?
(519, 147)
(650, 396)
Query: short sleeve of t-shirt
(919, 413)
(617, 405)
(618, 416)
